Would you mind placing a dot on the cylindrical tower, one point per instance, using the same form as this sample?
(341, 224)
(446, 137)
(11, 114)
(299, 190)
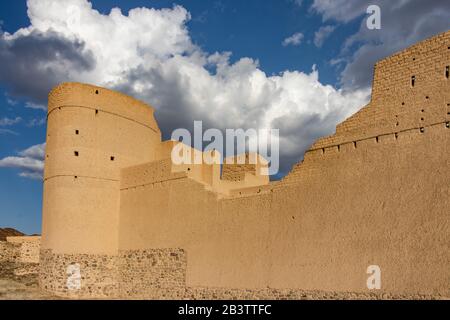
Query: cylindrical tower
(92, 133)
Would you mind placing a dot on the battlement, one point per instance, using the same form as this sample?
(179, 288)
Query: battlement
(139, 224)
(236, 167)
(410, 96)
(411, 90)
(206, 174)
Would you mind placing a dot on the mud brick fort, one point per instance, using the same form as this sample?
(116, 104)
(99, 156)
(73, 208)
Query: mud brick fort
(377, 192)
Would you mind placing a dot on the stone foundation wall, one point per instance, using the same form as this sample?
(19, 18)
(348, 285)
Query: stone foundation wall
(161, 274)
(154, 273)
(9, 252)
(20, 249)
(58, 272)
(29, 252)
(203, 293)
(23, 269)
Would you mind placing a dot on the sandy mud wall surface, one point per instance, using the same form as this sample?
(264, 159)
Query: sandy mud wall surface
(382, 203)
(411, 89)
(375, 193)
(92, 133)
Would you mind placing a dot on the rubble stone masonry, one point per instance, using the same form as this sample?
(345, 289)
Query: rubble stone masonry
(20, 249)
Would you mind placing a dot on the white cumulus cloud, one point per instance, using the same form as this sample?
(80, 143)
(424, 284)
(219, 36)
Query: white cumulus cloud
(30, 161)
(148, 53)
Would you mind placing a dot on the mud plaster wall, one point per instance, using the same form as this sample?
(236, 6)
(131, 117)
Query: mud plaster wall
(321, 233)
(371, 194)
(92, 133)
(410, 90)
(161, 274)
(237, 167)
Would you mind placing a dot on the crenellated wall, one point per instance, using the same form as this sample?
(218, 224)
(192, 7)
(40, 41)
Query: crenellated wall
(375, 193)
(384, 203)
(397, 105)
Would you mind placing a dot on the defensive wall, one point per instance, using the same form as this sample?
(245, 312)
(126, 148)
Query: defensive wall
(375, 193)
(23, 249)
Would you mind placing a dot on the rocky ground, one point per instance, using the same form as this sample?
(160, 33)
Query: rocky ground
(20, 282)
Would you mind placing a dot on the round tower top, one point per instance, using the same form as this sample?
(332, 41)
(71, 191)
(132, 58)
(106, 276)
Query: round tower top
(105, 100)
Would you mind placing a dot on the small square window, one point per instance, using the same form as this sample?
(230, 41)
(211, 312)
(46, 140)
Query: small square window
(76, 153)
(112, 158)
(77, 132)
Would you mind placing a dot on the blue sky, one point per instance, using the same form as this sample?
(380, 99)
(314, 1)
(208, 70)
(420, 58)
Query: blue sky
(271, 62)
